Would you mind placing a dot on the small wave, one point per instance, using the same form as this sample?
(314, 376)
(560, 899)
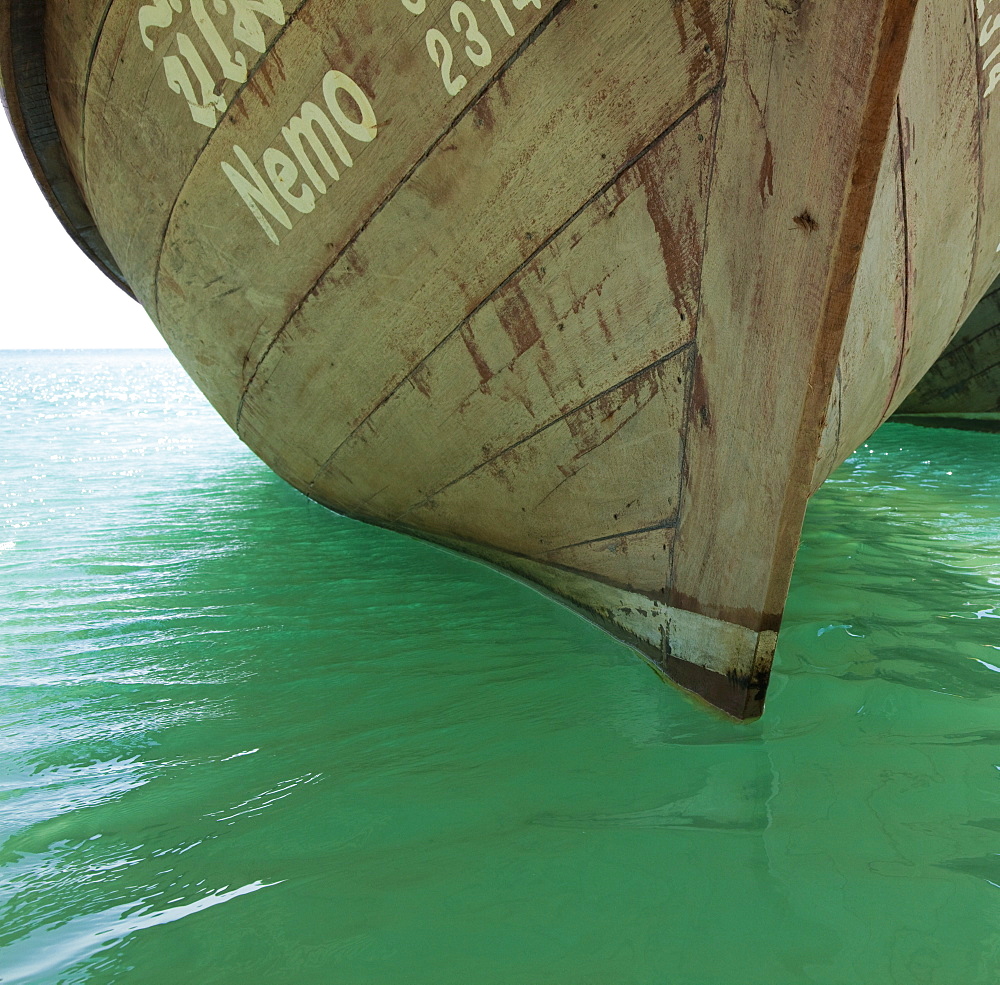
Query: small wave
(50, 950)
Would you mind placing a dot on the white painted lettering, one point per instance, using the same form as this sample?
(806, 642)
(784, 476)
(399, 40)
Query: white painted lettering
(255, 193)
(366, 129)
(501, 12)
(302, 129)
(282, 172)
(478, 51)
(204, 110)
(482, 55)
(160, 14)
(246, 22)
(439, 48)
(311, 136)
(990, 26)
(233, 65)
(994, 79)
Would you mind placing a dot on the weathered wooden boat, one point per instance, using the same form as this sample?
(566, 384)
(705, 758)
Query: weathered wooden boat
(962, 389)
(599, 292)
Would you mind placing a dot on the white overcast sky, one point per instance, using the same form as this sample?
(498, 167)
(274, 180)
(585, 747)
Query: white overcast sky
(53, 296)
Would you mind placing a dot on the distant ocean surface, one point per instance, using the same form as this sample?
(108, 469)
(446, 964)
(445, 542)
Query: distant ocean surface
(243, 740)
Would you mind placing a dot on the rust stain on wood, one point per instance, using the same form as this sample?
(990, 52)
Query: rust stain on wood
(745, 616)
(681, 269)
(517, 318)
(485, 373)
(766, 183)
(700, 412)
(419, 378)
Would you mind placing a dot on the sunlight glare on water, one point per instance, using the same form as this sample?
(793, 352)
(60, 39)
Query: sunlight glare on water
(245, 740)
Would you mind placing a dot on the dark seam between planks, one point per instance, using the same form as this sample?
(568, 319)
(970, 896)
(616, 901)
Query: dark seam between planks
(668, 524)
(840, 411)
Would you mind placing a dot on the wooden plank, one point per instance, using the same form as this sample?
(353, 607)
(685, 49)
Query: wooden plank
(71, 31)
(876, 329)
(939, 120)
(612, 294)
(912, 279)
(802, 131)
(133, 173)
(610, 467)
(614, 78)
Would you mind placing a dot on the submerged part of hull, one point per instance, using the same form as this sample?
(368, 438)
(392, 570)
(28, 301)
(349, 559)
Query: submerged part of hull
(594, 292)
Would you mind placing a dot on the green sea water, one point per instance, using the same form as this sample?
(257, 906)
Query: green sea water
(243, 740)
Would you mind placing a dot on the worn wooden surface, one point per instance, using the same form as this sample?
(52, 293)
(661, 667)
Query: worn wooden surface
(435, 252)
(966, 378)
(70, 64)
(917, 262)
(577, 364)
(771, 322)
(601, 299)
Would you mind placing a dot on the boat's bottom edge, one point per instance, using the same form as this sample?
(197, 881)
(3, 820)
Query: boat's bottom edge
(741, 698)
(723, 664)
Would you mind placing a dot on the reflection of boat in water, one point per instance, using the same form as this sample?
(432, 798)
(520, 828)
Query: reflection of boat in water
(597, 292)
(962, 389)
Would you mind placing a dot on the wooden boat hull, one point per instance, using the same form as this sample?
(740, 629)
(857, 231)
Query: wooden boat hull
(599, 293)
